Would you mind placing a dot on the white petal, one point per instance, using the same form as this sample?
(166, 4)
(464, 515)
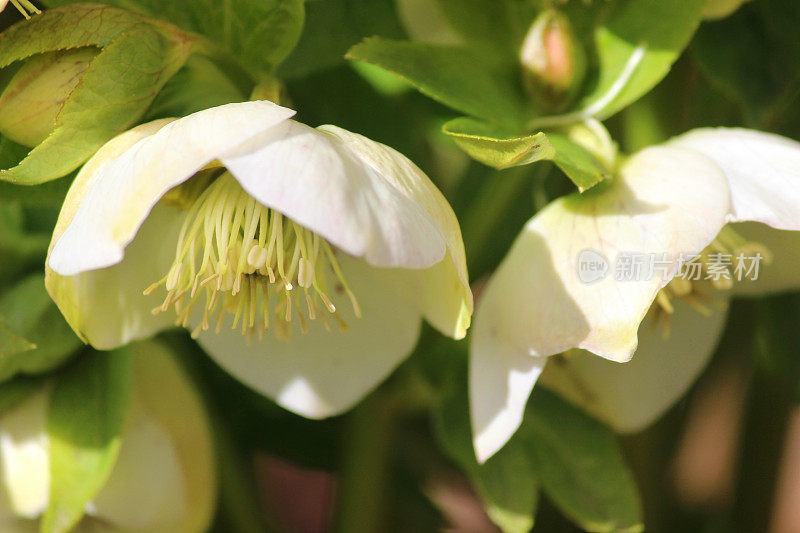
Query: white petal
(109, 203)
(442, 292)
(173, 404)
(321, 373)
(666, 201)
(311, 178)
(106, 307)
(145, 488)
(763, 171)
(501, 377)
(782, 273)
(24, 463)
(633, 395)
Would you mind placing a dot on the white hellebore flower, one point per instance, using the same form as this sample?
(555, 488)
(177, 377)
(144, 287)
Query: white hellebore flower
(668, 204)
(302, 259)
(164, 477)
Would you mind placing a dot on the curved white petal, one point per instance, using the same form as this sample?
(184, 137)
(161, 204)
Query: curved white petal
(763, 171)
(320, 373)
(311, 178)
(106, 307)
(443, 291)
(501, 377)
(781, 273)
(175, 408)
(633, 395)
(24, 463)
(666, 201)
(109, 203)
(145, 488)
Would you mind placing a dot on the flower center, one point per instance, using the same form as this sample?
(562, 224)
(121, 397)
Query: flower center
(243, 259)
(26, 8)
(729, 258)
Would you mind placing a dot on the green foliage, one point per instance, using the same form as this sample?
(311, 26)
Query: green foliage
(331, 28)
(199, 84)
(496, 148)
(580, 466)
(634, 44)
(258, 33)
(498, 25)
(657, 31)
(137, 59)
(13, 392)
(493, 147)
(44, 340)
(88, 407)
(558, 451)
(508, 482)
(19, 248)
(753, 58)
(475, 82)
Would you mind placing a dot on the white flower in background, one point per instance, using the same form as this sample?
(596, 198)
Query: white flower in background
(674, 200)
(302, 259)
(165, 475)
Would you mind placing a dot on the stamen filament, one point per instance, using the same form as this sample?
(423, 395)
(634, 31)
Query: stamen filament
(236, 254)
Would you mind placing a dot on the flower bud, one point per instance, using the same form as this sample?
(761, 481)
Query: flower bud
(717, 9)
(553, 63)
(33, 98)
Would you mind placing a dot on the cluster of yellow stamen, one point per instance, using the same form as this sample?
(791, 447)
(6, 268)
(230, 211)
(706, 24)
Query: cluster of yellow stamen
(26, 8)
(694, 291)
(237, 257)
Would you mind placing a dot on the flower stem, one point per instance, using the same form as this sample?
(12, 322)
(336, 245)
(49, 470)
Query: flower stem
(365, 467)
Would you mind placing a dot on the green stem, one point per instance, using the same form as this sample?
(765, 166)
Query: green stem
(239, 506)
(365, 467)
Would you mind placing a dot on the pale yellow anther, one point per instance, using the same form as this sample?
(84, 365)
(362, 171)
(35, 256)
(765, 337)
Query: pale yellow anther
(680, 287)
(665, 303)
(717, 268)
(305, 275)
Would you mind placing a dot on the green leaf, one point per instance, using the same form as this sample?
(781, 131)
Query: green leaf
(11, 343)
(28, 310)
(198, 85)
(259, 33)
(51, 193)
(115, 91)
(508, 482)
(580, 466)
(636, 46)
(472, 81)
(492, 147)
(19, 249)
(497, 148)
(88, 407)
(500, 25)
(736, 55)
(332, 27)
(13, 392)
(63, 28)
(583, 168)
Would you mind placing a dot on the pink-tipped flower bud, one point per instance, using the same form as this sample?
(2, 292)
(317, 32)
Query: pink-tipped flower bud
(553, 62)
